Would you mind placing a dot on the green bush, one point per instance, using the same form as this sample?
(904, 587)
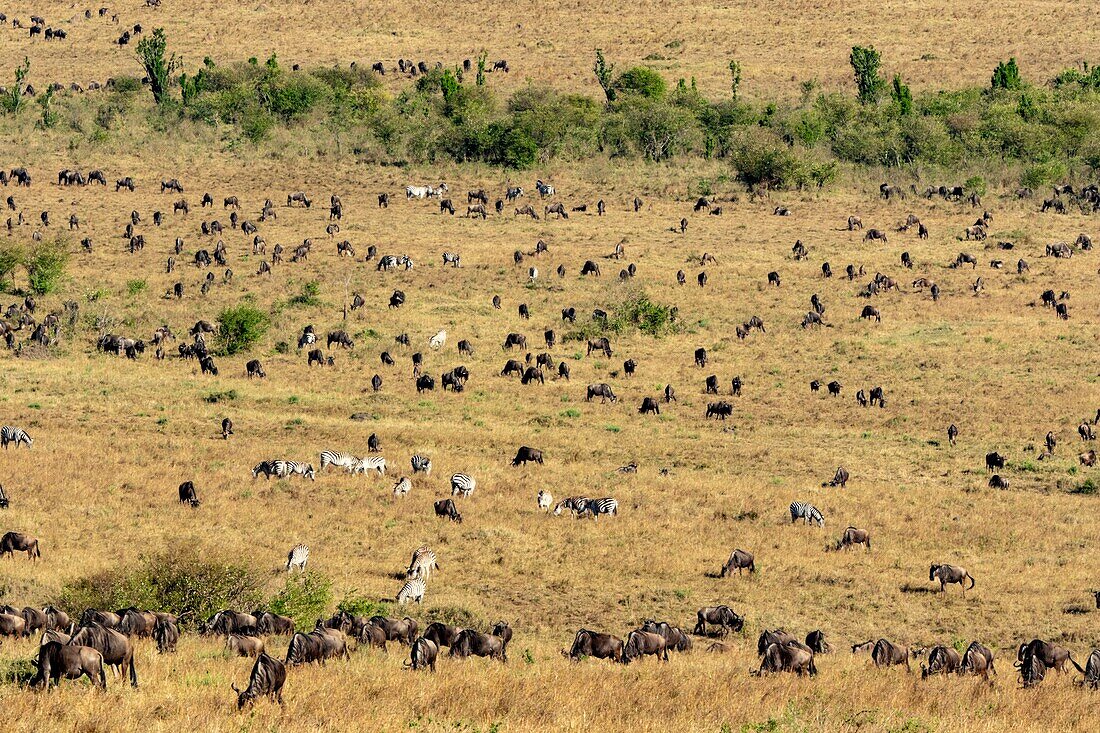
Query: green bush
(761, 159)
(11, 258)
(1006, 76)
(46, 264)
(358, 605)
(305, 598)
(308, 295)
(643, 81)
(241, 327)
(191, 582)
(135, 287)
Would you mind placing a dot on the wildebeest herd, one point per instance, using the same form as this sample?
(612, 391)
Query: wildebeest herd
(101, 637)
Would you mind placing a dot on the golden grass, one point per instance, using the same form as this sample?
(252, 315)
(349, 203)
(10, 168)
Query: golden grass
(115, 438)
(935, 44)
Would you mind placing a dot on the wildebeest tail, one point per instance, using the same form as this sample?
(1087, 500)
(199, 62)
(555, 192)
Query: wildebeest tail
(133, 675)
(971, 580)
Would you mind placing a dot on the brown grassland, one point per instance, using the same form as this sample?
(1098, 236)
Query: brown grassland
(114, 438)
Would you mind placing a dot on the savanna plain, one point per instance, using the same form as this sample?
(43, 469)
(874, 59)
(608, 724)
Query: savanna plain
(114, 437)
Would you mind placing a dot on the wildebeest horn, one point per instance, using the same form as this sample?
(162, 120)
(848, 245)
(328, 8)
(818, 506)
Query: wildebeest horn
(234, 686)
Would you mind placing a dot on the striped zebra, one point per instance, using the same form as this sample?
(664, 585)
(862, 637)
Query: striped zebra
(575, 504)
(413, 590)
(546, 500)
(422, 564)
(297, 558)
(370, 463)
(421, 464)
(596, 507)
(452, 258)
(9, 434)
(403, 487)
(808, 512)
(283, 469)
(335, 458)
(462, 485)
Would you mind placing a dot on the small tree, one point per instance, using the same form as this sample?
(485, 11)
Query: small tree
(11, 257)
(151, 53)
(1006, 76)
(13, 98)
(866, 63)
(604, 75)
(45, 101)
(482, 61)
(901, 95)
(735, 79)
(46, 265)
(240, 327)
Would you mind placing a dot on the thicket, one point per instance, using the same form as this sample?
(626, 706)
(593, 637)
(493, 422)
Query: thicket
(447, 114)
(241, 326)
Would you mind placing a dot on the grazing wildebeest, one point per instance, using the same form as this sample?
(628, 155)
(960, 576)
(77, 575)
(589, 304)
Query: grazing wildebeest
(13, 542)
(166, 634)
(644, 643)
(875, 235)
(792, 656)
(700, 357)
(887, 654)
(994, 460)
(840, 478)
(773, 278)
(854, 223)
(853, 536)
(649, 406)
(595, 644)
(600, 344)
(977, 659)
(720, 410)
(869, 312)
(590, 268)
(446, 508)
(255, 369)
(187, 494)
(601, 390)
(1051, 655)
(244, 646)
(941, 660)
(996, 482)
(950, 574)
(401, 630)
(474, 643)
(1091, 671)
(1088, 458)
(422, 654)
(116, 649)
(57, 661)
(517, 340)
(267, 678)
(722, 616)
(739, 560)
(525, 454)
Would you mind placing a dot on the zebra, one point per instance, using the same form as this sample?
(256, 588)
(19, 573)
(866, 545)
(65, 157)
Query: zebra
(437, 341)
(546, 500)
(462, 484)
(370, 463)
(451, 258)
(297, 558)
(3, 498)
(544, 189)
(421, 464)
(335, 458)
(596, 507)
(283, 469)
(403, 487)
(9, 434)
(802, 510)
(575, 504)
(422, 564)
(392, 262)
(413, 590)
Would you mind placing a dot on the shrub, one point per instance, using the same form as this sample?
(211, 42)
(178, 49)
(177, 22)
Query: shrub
(358, 605)
(901, 95)
(13, 98)
(241, 327)
(135, 287)
(308, 295)
(305, 598)
(11, 257)
(1006, 76)
(604, 72)
(762, 159)
(643, 81)
(652, 319)
(1088, 488)
(46, 265)
(192, 583)
(975, 184)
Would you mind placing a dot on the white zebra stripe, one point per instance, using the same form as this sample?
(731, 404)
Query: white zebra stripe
(403, 487)
(421, 464)
(413, 590)
(370, 463)
(338, 459)
(297, 558)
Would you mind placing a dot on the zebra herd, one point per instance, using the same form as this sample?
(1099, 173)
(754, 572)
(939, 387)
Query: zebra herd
(420, 569)
(580, 505)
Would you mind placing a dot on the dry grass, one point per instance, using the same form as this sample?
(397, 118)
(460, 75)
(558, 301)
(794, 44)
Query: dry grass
(115, 438)
(780, 44)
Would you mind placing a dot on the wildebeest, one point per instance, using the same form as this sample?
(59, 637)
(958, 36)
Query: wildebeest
(57, 661)
(875, 235)
(723, 617)
(525, 454)
(720, 410)
(517, 340)
(590, 268)
(840, 478)
(739, 560)
(792, 656)
(993, 461)
(600, 344)
(853, 536)
(401, 630)
(941, 660)
(187, 494)
(446, 508)
(649, 406)
(869, 312)
(950, 574)
(255, 369)
(116, 649)
(244, 646)
(1051, 655)
(595, 644)
(13, 542)
(267, 678)
(977, 659)
(644, 643)
(601, 390)
(1091, 671)
(423, 653)
(887, 654)
(474, 643)
(166, 634)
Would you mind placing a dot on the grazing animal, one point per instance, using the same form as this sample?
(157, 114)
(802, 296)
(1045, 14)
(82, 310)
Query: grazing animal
(421, 464)
(644, 643)
(446, 508)
(297, 558)
(545, 500)
(524, 455)
(721, 616)
(807, 512)
(116, 649)
(370, 463)
(13, 542)
(462, 485)
(739, 560)
(887, 654)
(18, 436)
(402, 487)
(187, 494)
(412, 590)
(422, 564)
(853, 536)
(57, 661)
(244, 646)
(977, 659)
(1051, 655)
(1091, 671)
(840, 478)
(596, 507)
(941, 660)
(649, 406)
(602, 390)
(267, 679)
(474, 643)
(994, 460)
(422, 654)
(950, 574)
